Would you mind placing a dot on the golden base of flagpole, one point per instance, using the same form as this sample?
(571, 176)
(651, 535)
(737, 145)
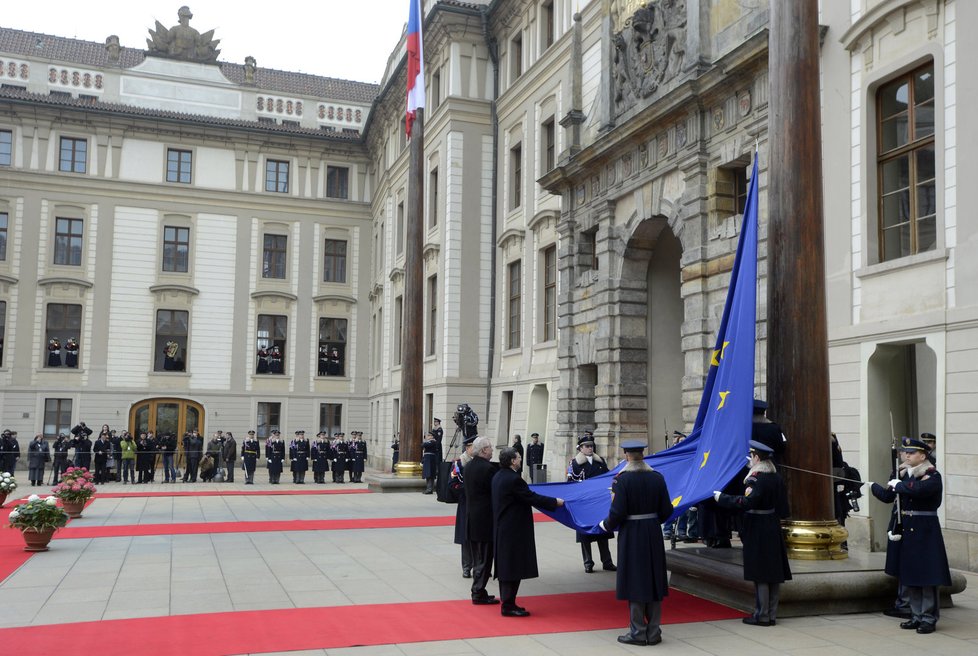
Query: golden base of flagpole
(407, 470)
(821, 540)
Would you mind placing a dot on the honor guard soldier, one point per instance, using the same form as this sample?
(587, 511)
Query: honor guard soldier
(534, 453)
(358, 457)
(915, 553)
(439, 434)
(342, 452)
(250, 450)
(299, 457)
(587, 464)
(319, 454)
(275, 457)
(429, 461)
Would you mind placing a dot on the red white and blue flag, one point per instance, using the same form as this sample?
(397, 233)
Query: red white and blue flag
(415, 65)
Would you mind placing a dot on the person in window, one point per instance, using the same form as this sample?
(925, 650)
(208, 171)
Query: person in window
(71, 353)
(171, 354)
(323, 360)
(262, 367)
(54, 352)
(335, 366)
(275, 361)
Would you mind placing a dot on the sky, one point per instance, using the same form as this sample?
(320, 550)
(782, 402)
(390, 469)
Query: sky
(334, 38)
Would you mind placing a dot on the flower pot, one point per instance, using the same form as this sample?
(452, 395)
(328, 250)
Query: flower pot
(73, 508)
(37, 540)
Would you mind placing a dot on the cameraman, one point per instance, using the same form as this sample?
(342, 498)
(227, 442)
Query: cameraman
(466, 420)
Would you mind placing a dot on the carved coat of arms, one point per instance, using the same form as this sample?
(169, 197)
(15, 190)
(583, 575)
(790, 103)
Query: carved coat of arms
(649, 50)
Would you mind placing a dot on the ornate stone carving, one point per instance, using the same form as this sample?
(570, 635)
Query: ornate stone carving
(183, 42)
(649, 51)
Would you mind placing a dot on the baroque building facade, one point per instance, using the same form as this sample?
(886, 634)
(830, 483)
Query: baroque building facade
(585, 172)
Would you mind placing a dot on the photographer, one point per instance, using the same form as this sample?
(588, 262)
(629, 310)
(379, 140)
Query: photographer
(466, 420)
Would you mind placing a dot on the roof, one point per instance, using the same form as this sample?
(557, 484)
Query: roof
(36, 45)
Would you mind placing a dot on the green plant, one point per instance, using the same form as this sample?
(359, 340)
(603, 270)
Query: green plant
(37, 514)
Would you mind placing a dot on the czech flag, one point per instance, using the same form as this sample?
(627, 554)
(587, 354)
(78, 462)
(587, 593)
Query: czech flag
(415, 64)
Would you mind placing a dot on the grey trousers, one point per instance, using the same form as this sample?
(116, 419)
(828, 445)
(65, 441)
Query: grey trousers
(766, 601)
(644, 619)
(925, 603)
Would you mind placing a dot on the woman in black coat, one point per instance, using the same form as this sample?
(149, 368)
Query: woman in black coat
(764, 504)
(514, 548)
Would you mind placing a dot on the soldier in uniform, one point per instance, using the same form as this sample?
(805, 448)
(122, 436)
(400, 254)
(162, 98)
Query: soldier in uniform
(534, 453)
(916, 555)
(587, 464)
(323, 360)
(764, 504)
(299, 457)
(429, 461)
(319, 453)
(640, 503)
(250, 451)
(358, 457)
(275, 457)
(341, 451)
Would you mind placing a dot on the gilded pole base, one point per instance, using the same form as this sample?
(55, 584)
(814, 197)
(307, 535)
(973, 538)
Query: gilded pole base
(815, 540)
(407, 470)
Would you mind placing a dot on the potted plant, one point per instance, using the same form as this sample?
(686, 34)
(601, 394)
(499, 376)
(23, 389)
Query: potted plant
(74, 490)
(7, 485)
(37, 519)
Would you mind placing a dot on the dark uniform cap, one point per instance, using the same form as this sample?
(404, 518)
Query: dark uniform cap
(759, 406)
(761, 449)
(633, 446)
(928, 437)
(251, 432)
(276, 432)
(910, 444)
(437, 419)
(585, 439)
(300, 432)
(534, 434)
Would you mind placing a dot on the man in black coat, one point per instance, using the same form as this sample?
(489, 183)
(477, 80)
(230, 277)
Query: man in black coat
(193, 449)
(514, 548)
(917, 556)
(83, 445)
(640, 504)
(101, 448)
(764, 504)
(230, 456)
(60, 464)
(587, 464)
(478, 517)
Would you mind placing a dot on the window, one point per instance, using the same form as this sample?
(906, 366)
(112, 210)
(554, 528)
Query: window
(432, 314)
(74, 155)
(330, 417)
(905, 165)
(62, 328)
(176, 249)
(398, 327)
(6, 148)
(515, 58)
(3, 327)
(589, 249)
(435, 90)
(337, 182)
(516, 167)
(277, 176)
(332, 347)
(68, 241)
(273, 256)
(172, 328)
(269, 419)
(57, 417)
(178, 165)
(3, 235)
(547, 144)
(271, 337)
(515, 303)
(334, 261)
(433, 198)
(550, 294)
(547, 24)
(399, 233)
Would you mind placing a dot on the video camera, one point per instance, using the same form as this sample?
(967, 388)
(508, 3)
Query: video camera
(466, 420)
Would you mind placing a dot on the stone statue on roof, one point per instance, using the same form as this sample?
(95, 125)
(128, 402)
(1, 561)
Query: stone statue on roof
(183, 42)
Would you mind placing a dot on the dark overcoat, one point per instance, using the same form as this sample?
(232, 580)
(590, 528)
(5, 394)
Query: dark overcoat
(478, 499)
(320, 456)
(299, 455)
(514, 549)
(430, 450)
(358, 456)
(919, 558)
(250, 452)
(638, 490)
(275, 456)
(38, 453)
(457, 487)
(764, 504)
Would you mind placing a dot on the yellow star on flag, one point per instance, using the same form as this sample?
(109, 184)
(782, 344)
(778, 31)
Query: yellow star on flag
(714, 361)
(676, 501)
(706, 456)
(723, 399)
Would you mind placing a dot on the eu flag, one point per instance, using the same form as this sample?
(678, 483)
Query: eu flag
(718, 444)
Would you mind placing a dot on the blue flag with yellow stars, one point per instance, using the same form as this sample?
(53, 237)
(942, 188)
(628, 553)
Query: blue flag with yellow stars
(717, 447)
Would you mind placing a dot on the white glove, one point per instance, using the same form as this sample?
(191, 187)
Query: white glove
(601, 526)
(716, 495)
(893, 483)
(893, 537)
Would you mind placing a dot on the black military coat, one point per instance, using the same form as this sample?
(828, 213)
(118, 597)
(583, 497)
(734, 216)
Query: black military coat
(514, 548)
(638, 490)
(250, 451)
(275, 456)
(299, 455)
(534, 454)
(478, 499)
(765, 504)
(358, 456)
(319, 453)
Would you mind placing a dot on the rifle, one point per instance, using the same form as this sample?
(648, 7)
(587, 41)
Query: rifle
(897, 533)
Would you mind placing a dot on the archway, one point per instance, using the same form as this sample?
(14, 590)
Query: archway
(166, 415)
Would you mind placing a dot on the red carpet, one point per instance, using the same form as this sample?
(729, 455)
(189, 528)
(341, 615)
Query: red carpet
(251, 632)
(226, 493)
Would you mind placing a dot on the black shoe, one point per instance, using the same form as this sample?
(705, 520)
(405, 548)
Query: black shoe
(627, 639)
(926, 628)
(753, 621)
(466, 573)
(656, 640)
(610, 567)
(485, 601)
(910, 625)
(721, 544)
(516, 612)
(588, 569)
(896, 612)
